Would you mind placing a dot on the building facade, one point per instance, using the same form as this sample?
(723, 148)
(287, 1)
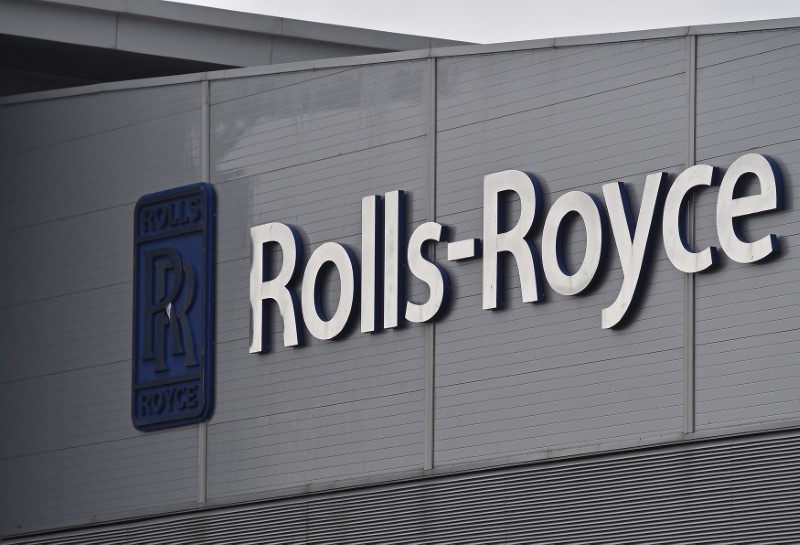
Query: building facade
(526, 423)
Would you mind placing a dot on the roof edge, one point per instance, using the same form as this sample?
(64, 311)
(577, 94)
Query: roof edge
(436, 52)
(257, 23)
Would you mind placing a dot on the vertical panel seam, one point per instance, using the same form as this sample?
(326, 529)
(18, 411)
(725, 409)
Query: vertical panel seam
(205, 170)
(689, 318)
(271, 49)
(430, 333)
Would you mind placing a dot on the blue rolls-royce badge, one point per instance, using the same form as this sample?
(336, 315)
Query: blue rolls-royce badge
(173, 307)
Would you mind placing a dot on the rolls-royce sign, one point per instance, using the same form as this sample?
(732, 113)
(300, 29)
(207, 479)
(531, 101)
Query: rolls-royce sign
(386, 256)
(173, 307)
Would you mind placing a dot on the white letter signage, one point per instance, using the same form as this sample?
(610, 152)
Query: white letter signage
(387, 257)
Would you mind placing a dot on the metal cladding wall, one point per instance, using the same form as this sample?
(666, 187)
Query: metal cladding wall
(515, 382)
(722, 493)
(747, 340)
(71, 169)
(392, 436)
(303, 148)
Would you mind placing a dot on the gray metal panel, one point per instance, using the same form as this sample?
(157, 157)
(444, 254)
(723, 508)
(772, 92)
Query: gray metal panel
(62, 23)
(173, 29)
(748, 316)
(722, 492)
(177, 39)
(137, 147)
(72, 170)
(304, 149)
(513, 383)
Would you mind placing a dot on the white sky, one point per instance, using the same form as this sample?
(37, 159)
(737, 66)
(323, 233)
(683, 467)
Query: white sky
(489, 21)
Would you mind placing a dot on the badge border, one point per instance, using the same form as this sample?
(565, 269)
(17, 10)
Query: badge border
(209, 257)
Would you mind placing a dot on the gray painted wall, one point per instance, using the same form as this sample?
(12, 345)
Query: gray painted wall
(303, 147)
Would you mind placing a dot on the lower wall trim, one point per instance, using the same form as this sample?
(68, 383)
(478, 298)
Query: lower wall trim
(739, 489)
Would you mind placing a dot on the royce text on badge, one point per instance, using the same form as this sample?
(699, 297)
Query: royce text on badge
(173, 307)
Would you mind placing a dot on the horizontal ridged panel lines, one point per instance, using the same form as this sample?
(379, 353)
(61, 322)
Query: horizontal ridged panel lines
(728, 491)
(527, 379)
(303, 149)
(144, 139)
(72, 170)
(748, 315)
